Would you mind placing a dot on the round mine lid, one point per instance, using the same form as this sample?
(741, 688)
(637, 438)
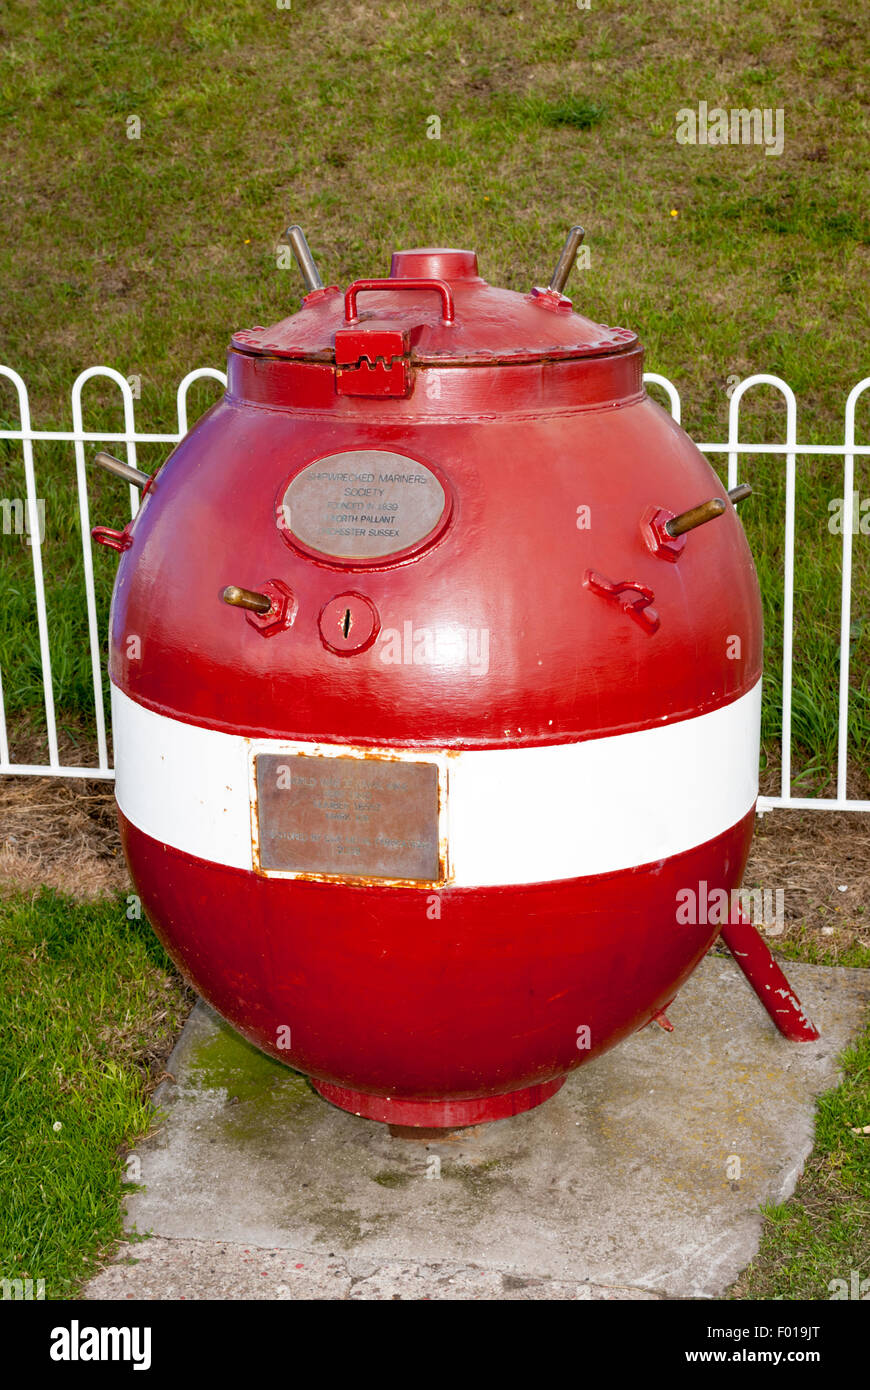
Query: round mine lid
(447, 314)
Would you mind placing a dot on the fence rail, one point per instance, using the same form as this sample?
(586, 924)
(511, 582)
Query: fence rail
(130, 438)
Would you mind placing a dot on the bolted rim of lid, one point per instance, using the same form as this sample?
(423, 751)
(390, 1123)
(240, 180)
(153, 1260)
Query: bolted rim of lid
(488, 325)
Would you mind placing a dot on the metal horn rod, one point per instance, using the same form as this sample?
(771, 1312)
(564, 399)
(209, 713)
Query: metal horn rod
(246, 598)
(696, 516)
(304, 259)
(739, 493)
(121, 469)
(565, 263)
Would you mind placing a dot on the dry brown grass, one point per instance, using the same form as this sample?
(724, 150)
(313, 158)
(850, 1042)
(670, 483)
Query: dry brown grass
(813, 856)
(57, 831)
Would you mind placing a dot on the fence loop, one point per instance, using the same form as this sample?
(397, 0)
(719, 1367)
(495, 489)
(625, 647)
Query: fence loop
(846, 585)
(671, 391)
(759, 379)
(35, 529)
(765, 379)
(198, 374)
(85, 521)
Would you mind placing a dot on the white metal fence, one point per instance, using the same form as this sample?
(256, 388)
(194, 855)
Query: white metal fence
(130, 437)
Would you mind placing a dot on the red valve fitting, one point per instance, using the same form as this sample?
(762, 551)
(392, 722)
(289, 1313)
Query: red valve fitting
(551, 299)
(652, 528)
(282, 613)
(113, 540)
(634, 598)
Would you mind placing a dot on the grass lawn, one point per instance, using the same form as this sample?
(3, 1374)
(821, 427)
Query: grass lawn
(820, 1234)
(89, 1009)
(145, 253)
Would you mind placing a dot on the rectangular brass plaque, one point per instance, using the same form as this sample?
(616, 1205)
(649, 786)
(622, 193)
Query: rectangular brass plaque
(351, 817)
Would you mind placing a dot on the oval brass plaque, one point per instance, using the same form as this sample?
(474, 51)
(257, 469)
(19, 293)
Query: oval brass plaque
(363, 504)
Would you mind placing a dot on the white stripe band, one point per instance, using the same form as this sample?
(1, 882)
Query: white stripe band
(514, 815)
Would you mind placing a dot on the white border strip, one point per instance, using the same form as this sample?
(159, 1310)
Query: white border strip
(514, 815)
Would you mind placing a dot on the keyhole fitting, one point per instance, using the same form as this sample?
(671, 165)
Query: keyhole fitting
(348, 624)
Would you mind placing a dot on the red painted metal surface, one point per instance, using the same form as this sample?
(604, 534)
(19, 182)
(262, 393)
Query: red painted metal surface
(485, 1000)
(438, 1114)
(478, 322)
(768, 981)
(511, 560)
(535, 422)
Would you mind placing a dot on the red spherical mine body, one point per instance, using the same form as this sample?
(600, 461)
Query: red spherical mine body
(438, 738)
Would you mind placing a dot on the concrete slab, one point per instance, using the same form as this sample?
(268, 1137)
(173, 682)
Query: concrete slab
(641, 1178)
(161, 1269)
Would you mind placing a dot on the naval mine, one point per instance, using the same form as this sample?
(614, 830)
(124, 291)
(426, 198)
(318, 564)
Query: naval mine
(446, 694)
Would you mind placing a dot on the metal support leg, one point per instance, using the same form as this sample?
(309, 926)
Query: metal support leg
(768, 981)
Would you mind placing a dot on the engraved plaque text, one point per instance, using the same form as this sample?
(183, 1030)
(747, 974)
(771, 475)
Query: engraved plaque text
(363, 504)
(353, 817)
